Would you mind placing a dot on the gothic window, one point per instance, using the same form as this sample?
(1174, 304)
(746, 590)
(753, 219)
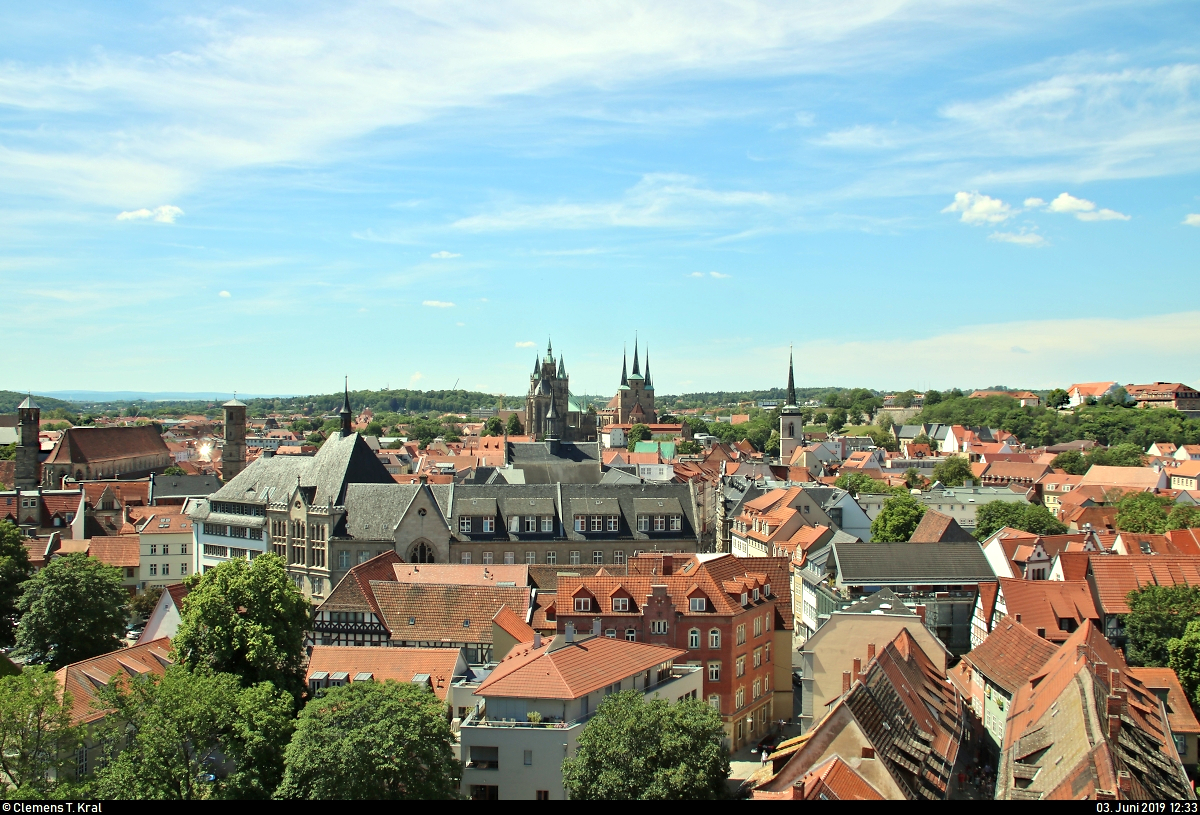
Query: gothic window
(421, 552)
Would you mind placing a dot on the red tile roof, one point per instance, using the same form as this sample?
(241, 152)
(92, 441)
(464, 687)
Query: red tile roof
(80, 445)
(444, 613)
(1010, 655)
(1114, 576)
(1179, 713)
(116, 550)
(560, 670)
(83, 680)
(400, 664)
(513, 624)
(461, 574)
(936, 527)
(1040, 605)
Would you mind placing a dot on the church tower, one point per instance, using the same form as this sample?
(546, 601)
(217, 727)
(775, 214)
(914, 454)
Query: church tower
(29, 418)
(635, 397)
(791, 422)
(346, 417)
(233, 450)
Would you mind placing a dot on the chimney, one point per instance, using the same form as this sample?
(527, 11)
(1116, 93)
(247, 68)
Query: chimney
(1124, 783)
(570, 632)
(857, 668)
(596, 627)
(845, 681)
(1114, 728)
(870, 651)
(668, 565)
(1114, 680)
(1041, 632)
(423, 478)
(920, 610)
(537, 639)
(268, 453)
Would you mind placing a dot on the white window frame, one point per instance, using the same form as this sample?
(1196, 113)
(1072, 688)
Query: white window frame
(676, 523)
(514, 524)
(694, 639)
(660, 523)
(619, 557)
(620, 604)
(574, 557)
(597, 557)
(466, 558)
(597, 523)
(583, 604)
(531, 523)
(643, 523)
(547, 523)
(487, 558)
(697, 604)
(714, 672)
(631, 634)
(552, 558)
(714, 638)
(464, 523)
(530, 558)
(614, 523)
(489, 523)
(658, 626)
(510, 558)
(580, 523)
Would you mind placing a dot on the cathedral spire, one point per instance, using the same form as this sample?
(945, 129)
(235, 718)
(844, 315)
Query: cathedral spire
(344, 413)
(562, 368)
(624, 368)
(636, 372)
(791, 389)
(649, 384)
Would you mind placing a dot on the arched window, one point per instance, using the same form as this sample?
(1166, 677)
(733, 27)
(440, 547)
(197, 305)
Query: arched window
(694, 638)
(714, 638)
(791, 430)
(421, 553)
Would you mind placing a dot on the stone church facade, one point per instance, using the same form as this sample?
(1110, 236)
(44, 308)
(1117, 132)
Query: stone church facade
(550, 411)
(634, 402)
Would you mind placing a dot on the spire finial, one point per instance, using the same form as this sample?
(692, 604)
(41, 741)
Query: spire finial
(636, 372)
(649, 384)
(624, 376)
(344, 413)
(791, 386)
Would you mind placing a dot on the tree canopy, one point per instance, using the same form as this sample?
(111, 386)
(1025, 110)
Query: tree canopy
(1183, 655)
(513, 426)
(1158, 614)
(71, 610)
(143, 604)
(639, 432)
(1142, 512)
(184, 724)
(898, 519)
(248, 619)
(953, 471)
(1119, 455)
(859, 483)
(1183, 517)
(372, 741)
(1033, 518)
(14, 570)
(648, 749)
(36, 733)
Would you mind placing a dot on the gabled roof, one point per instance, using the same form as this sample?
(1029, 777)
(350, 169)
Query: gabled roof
(562, 670)
(874, 564)
(116, 550)
(1010, 655)
(81, 445)
(513, 624)
(444, 613)
(399, 664)
(1114, 576)
(936, 527)
(83, 680)
(354, 590)
(1040, 605)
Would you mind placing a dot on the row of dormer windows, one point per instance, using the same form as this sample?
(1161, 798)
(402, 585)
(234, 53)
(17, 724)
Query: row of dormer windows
(544, 524)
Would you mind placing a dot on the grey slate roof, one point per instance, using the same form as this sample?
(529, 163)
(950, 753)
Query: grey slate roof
(902, 564)
(574, 462)
(184, 486)
(876, 601)
(374, 510)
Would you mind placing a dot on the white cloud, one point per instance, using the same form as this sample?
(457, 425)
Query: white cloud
(1033, 203)
(979, 209)
(1192, 219)
(165, 214)
(1083, 209)
(859, 137)
(662, 200)
(224, 294)
(1019, 238)
(718, 275)
(445, 254)
(696, 274)
(437, 304)
(526, 344)
(415, 378)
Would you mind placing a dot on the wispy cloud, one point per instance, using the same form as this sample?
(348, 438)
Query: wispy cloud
(444, 254)
(1193, 219)
(1081, 208)
(224, 293)
(437, 304)
(165, 214)
(1019, 238)
(979, 209)
(525, 344)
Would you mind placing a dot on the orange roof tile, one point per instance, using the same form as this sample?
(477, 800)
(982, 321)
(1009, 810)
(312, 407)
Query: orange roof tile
(513, 624)
(1114, 576)
(83, 680)
(117, 550)
(1041, 605)
(400, 664)
(1010, 655)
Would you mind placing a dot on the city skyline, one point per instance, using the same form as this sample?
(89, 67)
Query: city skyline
(910, 193)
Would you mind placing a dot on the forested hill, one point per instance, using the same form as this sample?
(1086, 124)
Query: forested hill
(10, 399)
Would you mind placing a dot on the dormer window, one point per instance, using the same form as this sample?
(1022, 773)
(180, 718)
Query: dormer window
(756, 595)
(767, 590)
(583, 604)
(745, 598)
(620, 604)
(766, 529)
(698, 604)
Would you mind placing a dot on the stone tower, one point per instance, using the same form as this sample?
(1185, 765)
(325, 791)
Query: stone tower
(791, 422)
(233, 450)
(29, 417)
(635, 396)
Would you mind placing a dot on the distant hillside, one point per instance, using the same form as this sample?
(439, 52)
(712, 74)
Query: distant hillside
(10, 399)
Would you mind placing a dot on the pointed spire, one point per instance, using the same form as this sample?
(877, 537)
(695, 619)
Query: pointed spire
(636, 372)
(649, 384)
(791, 388)
(537, 365)
(344, 413)
(624, 368)
(549, 348)
(562, 368)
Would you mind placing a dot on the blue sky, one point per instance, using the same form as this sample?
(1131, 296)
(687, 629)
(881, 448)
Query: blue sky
(913, 194)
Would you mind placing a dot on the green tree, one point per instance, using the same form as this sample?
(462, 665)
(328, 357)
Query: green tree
(247, 619)
(898, 519)
(837, 419)
(493, 427)
(1183, 655)
(183, 724)
(1071, 462)
(1035, 518)
(687, 447)
(14, 570)
(514, 427)
(884, 422)
(859, 483)
(35, 731)
(636, 749)
(1142, 512)
(1057, 398)
(8, 451)
(1183, 517)
(952, 471)
(932, 397)
(1119, 455)
(821, 418)
(373, 428)
(923, 438)
(143, 604)
(73, 609)
(173, 470)
(771, 448)
(913, 479)
(372, 741)
(1156, 615)
(639, 432)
